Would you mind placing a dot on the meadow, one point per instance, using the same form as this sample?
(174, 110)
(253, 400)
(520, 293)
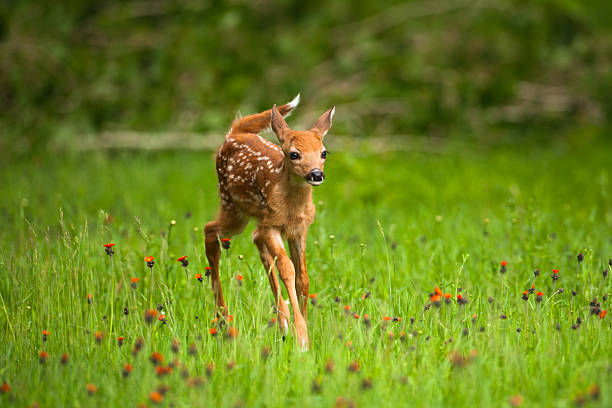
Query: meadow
(418, 263)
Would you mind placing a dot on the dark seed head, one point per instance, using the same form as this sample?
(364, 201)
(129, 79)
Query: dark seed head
(580, 257)
(518, 329)
(536, 273)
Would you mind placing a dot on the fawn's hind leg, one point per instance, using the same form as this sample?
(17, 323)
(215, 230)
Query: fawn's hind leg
(283, 315)
(227, 224)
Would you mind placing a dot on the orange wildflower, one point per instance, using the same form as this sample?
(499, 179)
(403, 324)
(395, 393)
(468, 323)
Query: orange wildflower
(91, 389)
(312, 295)
(603, 314)
(156, 397)
(212, 331)
(387, 318)
(438, 291)
(148, 259)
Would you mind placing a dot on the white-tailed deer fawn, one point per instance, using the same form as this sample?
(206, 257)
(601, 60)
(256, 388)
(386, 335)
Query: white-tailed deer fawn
(272, 184)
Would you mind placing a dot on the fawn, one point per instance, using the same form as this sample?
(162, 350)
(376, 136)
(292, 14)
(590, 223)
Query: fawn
(272, 184)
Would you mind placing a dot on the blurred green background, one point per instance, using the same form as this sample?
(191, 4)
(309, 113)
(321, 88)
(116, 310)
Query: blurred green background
(79, 73)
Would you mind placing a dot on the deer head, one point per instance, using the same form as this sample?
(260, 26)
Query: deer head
(304, 151)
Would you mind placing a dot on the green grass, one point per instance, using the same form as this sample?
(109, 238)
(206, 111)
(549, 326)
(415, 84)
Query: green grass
(402, 224)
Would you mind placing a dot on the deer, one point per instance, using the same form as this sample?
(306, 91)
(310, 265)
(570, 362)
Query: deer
(272, 184)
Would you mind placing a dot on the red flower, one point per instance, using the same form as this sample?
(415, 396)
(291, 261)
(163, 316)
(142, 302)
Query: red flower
(387, 318)
(447, 296)
(182, 258)
(434, 298)
(156, 397)
(120, 340)
(459, 297)
(89, 299)
(199, 277)
(239, 277)
(225, 243)
(312, 295)
(127, 369)
(504, 263)
(555, 271)
(603, 314)
(43, 355)
(148, 259)
(109, 245)
(347, 308)
(157, 358)
(134, 280)
(162, 318)
(356, 316)
(540, 294)
(212, 331)
(438, 291)
(5, 388)
(91, 389)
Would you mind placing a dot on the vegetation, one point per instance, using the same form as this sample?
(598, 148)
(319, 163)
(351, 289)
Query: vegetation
(390, 229)
(487, 70)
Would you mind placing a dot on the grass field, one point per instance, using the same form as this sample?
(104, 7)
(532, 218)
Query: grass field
(395, 225)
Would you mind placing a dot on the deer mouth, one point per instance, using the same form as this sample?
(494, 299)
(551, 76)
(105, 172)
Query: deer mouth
(315, 177)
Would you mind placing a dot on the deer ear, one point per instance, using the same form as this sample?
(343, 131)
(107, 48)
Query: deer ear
(279, 126)
(324, 123)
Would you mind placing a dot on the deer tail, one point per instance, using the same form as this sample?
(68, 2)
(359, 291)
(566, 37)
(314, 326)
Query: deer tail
(259, 121)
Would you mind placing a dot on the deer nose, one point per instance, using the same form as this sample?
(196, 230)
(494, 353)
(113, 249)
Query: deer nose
(315, 176)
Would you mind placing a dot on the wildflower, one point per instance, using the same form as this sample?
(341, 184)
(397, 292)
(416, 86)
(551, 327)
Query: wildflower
(159, 307)
(134, 283)
(99, 336)
(157, 358)
(193, 349)
(461, 300)
(150, 262)
(603, 314)
(435, 300)
(313, 298)
(365, 296)
(149, 315)
(199, 277)
(387, 318)
(232, 332)
(580, 257)
(175, 346)
(366, 384)
(5, 388)
(65, 359)
(355, 315)
(525, 296)
(239, 279)
(518, 330)
(595, 307)
(120, 341)
(43, 355)
(163, 370)
(516, 400)
(438, 291)
(208, 271)
(348, 344)
(163, 389)
(490, 300)
(447, 298)
(604, 273)
(225, 243)
(109, 249)
(367, 321)
(502, 268)
(210, 368)
(183, 260)
(354, 366)
(531, 289)
(91, 389)
(138, 346)
(555, 274)
(536, 273)
(45, 334)
(265, 353)
(156, 397)
(474, 318)
(162, 318)
(503, 316)
(89, 299)
(231, 365)
(347, 308)
(213, 331)
(329, 366)
(539, 296)
(337, 299)
(390, 336)
(397, 319)
(126, 311)
(127, 369)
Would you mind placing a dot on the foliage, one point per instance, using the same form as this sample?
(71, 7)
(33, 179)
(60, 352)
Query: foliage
(448, 220)
(450, 68)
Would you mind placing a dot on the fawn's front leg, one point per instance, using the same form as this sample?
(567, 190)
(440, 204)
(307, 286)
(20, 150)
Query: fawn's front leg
(274, 242)
(297, 248)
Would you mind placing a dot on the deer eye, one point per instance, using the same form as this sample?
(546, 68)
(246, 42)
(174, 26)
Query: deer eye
(324, 154)
(294, 155)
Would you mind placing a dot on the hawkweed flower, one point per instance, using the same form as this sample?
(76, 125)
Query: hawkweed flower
(45, 333)
(356, 316)
(355, 366)
(595, 307)
(150, 315)
(127, 369)
(183, 260)
(150, 262)
(474, 318)
(162, 318)
(99, 336)
(239, 278)
(366, 296)
(109, 249)
(156, 397)
(387, 318)
(213, 331)
(313, 298)
(160, 307)
(397, 319)
(555, 277)
(5, 388)
(232, 333)
(225, 243)
(134, 283)
(210, 368)
(502, 268)
(91, 389)
(193, 349)
(329, 366)
(531, 289)
(447, 298)
(536, 273)
(435, 300)
(157, 358)
(516, 400)
(138, 346)
(120, 340)
(525, 296)
(199, 277)
(437, 291)
(461, 300)
(175, 346)
(42, 357)
(272, 322)
(580, 257)
(163, 370)
(65, 358)
(347, 309)
(231, 365)
(366, 321)
(89, 299)
(539, 296)
(208, 272)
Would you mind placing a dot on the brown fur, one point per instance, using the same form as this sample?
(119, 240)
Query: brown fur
(257, 179)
